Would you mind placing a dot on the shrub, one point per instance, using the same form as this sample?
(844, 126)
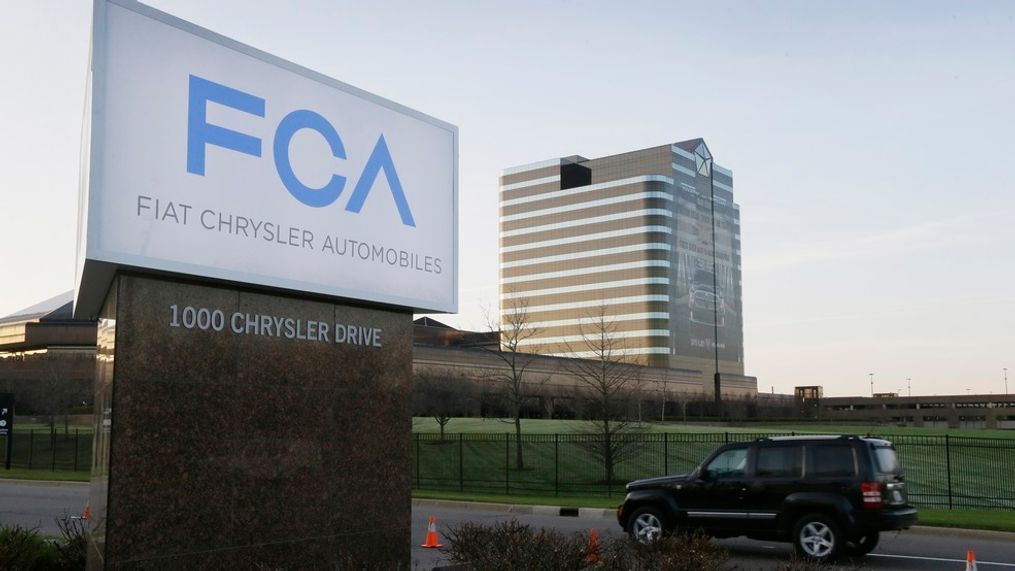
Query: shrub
(72, 551)
(511, 546)
(679, 552)
(23, 549)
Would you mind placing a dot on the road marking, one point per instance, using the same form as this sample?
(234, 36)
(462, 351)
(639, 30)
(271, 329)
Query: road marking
(940, 559)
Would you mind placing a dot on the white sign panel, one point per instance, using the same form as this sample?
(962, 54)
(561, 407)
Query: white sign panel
(210, 158)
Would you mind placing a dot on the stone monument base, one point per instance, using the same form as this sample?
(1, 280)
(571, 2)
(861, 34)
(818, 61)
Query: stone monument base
(242, 430)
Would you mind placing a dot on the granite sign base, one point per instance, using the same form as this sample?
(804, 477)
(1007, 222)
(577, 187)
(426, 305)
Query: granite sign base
(243, 430)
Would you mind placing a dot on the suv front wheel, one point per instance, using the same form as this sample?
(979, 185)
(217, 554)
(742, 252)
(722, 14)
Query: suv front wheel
(818, 537)
(647, 525)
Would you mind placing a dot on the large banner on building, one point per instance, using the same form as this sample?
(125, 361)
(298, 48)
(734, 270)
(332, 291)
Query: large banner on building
(208, 158)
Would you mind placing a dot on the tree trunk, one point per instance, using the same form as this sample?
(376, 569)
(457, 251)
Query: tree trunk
(518, 443)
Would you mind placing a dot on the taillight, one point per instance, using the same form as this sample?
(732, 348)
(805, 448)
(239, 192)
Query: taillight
(871, 492)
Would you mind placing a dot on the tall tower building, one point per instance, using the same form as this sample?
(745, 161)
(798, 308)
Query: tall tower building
(649, 238)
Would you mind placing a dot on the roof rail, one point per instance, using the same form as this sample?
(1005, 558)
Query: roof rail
(794, 436)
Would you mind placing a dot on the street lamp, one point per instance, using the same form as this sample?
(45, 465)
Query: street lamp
(909, 386)
(871, 375)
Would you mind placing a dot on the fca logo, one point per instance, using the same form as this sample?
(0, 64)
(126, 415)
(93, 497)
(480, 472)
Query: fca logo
(201, 133)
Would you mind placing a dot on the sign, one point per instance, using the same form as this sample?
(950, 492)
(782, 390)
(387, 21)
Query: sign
(7, 425)
(209, 158)
(6, 413)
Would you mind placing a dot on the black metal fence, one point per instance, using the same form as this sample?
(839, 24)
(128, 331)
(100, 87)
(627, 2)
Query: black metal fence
(941, 471)
(57, 448)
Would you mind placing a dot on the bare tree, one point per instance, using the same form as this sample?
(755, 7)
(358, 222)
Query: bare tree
(442, 396)
(513, 384)
(606, 379)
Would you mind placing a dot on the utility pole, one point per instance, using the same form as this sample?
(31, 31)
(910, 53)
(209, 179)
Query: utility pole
(1005, 369)
(871, 375)
(909, 385)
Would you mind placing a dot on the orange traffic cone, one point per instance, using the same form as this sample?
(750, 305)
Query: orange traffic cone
(970, 561)
(593, 550)
(87, 513)
(431, 535)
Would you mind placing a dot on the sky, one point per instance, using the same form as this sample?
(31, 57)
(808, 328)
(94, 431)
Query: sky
(871, 145)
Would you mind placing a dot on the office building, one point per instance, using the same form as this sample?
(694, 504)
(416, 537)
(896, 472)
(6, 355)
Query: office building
(646, 241)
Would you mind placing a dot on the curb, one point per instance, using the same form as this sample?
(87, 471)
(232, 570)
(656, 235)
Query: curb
(523, 509)
(964, 532)
(51, 483)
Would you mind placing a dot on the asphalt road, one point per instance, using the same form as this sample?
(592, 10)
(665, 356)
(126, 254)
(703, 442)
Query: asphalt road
(922, 548)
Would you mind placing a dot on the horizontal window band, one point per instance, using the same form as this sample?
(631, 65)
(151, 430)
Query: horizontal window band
(722, 186)
(722, 170)
(589, 188)
(624, 309)
(586, 271)
(582, 338)
(586, 279)
(618, 352)
(585, 287)
(684, 170)
(587, 238)
(678, 151)
(585, 304)
(618, 211)
(527, 183)
(595, 320)
(593, 295)
(588, 204)
(588, 221)
(587, 254)
(581, 263)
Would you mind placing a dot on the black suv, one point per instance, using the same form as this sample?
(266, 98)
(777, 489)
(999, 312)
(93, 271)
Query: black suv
(828, 495)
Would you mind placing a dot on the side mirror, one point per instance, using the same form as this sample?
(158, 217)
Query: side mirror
(704, 475)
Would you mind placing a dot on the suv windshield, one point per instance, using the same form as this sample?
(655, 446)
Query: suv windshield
(887, 461)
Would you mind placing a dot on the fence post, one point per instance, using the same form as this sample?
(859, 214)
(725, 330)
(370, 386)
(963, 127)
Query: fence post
(727, 437)
(417, 462)
(77, 442)
(666, 453)
(461, 463)
(556, 464)
(31, 446)
(507, 463)
(948, 464)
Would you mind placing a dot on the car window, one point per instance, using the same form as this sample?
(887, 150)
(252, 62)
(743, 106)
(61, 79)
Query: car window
(831, 461)
(887, 461)
(729, 464)
(779, 462)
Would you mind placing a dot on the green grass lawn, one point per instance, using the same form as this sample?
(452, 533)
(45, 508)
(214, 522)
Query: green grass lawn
(970, 470)
(44, 475)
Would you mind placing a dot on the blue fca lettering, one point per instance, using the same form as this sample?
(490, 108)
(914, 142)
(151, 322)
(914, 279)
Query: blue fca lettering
(200, 134)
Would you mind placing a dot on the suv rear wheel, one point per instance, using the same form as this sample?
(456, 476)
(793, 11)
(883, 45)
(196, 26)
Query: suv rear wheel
(818, 537)
(647, 525)
(864, 545)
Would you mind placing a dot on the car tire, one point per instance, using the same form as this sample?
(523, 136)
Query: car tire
(818, 537)
(864, 545)
(647, 524)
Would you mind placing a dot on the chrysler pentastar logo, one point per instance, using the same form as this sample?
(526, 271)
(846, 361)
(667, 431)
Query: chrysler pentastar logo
(200, 133)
